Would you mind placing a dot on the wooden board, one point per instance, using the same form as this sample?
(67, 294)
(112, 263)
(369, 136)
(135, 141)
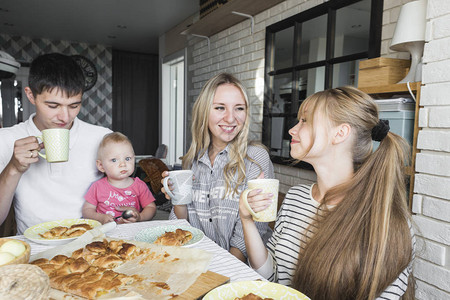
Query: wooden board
(383, 62)
(205, 282)
(381, 76)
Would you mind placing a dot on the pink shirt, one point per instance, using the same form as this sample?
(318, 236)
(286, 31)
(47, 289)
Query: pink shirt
(106, 197)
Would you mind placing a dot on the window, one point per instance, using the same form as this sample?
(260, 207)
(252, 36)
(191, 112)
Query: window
(314, 50)
(173, 108)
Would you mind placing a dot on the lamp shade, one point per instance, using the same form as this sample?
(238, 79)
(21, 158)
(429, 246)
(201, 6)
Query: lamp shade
(410, 25)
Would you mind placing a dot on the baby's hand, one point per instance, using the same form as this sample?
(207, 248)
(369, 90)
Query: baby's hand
(135, 215)
(104, 218)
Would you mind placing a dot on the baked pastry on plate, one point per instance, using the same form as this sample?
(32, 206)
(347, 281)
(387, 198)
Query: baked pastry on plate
(179, 237)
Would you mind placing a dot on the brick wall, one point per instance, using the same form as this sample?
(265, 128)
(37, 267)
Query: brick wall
(237, 51)
(241, 53)
(431, 203)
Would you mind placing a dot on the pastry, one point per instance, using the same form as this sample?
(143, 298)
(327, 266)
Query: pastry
(53, 233)
(60, 232)
(87, 273)
(252, 296)
(178, 237)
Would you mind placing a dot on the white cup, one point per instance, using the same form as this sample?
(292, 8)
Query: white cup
(182, 186)
(267, 186)
(56, 143)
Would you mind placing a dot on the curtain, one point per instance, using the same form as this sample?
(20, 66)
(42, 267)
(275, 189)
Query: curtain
(135, 99)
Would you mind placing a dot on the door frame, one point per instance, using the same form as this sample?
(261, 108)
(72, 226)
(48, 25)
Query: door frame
(168, 122)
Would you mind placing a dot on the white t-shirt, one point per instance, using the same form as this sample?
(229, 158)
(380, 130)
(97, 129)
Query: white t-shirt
(53, 191)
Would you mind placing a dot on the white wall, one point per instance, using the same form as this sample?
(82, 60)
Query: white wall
(241, 53)
(431, 202)
(432, 184)
(237, 51)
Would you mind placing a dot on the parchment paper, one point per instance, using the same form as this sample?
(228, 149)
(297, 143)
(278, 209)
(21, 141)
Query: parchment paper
(179, 267)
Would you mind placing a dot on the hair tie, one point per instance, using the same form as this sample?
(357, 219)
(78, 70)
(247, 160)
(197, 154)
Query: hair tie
(380, 130)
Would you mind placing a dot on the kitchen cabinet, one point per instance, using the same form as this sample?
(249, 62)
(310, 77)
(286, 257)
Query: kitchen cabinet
(387, 91)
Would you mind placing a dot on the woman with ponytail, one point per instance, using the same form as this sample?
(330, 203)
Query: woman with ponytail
(349, 235)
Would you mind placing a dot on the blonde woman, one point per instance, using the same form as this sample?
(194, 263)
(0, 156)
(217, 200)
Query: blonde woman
(222, 162)
(347, 236)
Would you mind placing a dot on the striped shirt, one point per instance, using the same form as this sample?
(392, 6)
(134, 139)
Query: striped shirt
(292, 227)
(218, 216)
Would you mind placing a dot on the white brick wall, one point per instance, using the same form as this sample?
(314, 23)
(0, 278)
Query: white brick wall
(431, 203)
(237, 51)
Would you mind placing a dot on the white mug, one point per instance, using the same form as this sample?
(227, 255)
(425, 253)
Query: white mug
(267, 186)
(56, 143)
(182, 186)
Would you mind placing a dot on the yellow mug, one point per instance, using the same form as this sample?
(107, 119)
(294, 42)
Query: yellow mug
(267, 186)
(56, 144)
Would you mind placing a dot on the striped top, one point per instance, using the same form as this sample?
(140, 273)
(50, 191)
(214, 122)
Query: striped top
(292, 226)
(218, 216)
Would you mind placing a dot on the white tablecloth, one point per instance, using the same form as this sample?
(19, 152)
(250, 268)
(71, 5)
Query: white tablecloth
(222, 262)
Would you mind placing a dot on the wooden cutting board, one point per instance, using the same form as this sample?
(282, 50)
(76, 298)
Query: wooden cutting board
(205, 282)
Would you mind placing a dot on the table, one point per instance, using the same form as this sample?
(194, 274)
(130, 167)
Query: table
(222, 261)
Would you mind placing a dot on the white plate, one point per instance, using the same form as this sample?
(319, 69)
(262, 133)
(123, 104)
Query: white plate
(150, 234)
(32, 233)
(260, 288)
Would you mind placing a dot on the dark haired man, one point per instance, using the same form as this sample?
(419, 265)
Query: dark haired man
(42, 191)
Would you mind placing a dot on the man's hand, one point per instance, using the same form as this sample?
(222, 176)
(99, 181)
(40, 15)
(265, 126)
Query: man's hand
(25, 153)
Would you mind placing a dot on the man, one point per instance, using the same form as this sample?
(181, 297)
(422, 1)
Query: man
(42, 191)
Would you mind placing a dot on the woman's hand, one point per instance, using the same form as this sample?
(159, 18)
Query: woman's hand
(164, 175)
(136, 216)
(257, 202)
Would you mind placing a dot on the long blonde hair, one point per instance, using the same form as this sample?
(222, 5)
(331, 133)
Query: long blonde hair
(362, 244)
(201, 139)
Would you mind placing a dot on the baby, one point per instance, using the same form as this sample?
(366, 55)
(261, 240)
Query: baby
(108, 197)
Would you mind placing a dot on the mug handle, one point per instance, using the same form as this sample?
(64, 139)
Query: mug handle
(40, 154)
(244, 195)
(166, 187)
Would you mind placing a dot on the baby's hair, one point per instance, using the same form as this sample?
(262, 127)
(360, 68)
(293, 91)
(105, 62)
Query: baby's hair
(113, 137)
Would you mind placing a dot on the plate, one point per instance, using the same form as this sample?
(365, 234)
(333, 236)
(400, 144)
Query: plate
(150, 234)
(261, 288)
(32, 233)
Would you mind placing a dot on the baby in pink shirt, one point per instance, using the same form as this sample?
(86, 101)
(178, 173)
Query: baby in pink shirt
(108, 197)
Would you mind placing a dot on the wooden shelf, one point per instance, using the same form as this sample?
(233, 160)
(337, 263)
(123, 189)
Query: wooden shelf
(391, 88)
(403, 88)
(223, 18)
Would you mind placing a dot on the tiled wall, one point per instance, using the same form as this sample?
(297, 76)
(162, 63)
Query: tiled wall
(97, 102)
(238, 51)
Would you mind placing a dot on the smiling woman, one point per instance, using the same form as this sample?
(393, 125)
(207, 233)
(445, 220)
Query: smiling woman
(227, 116)
(223, 161)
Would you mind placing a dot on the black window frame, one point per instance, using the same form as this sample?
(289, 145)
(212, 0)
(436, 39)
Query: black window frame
(328, 8)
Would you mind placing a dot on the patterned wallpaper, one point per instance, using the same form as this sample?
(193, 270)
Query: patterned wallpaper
(97, 102)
